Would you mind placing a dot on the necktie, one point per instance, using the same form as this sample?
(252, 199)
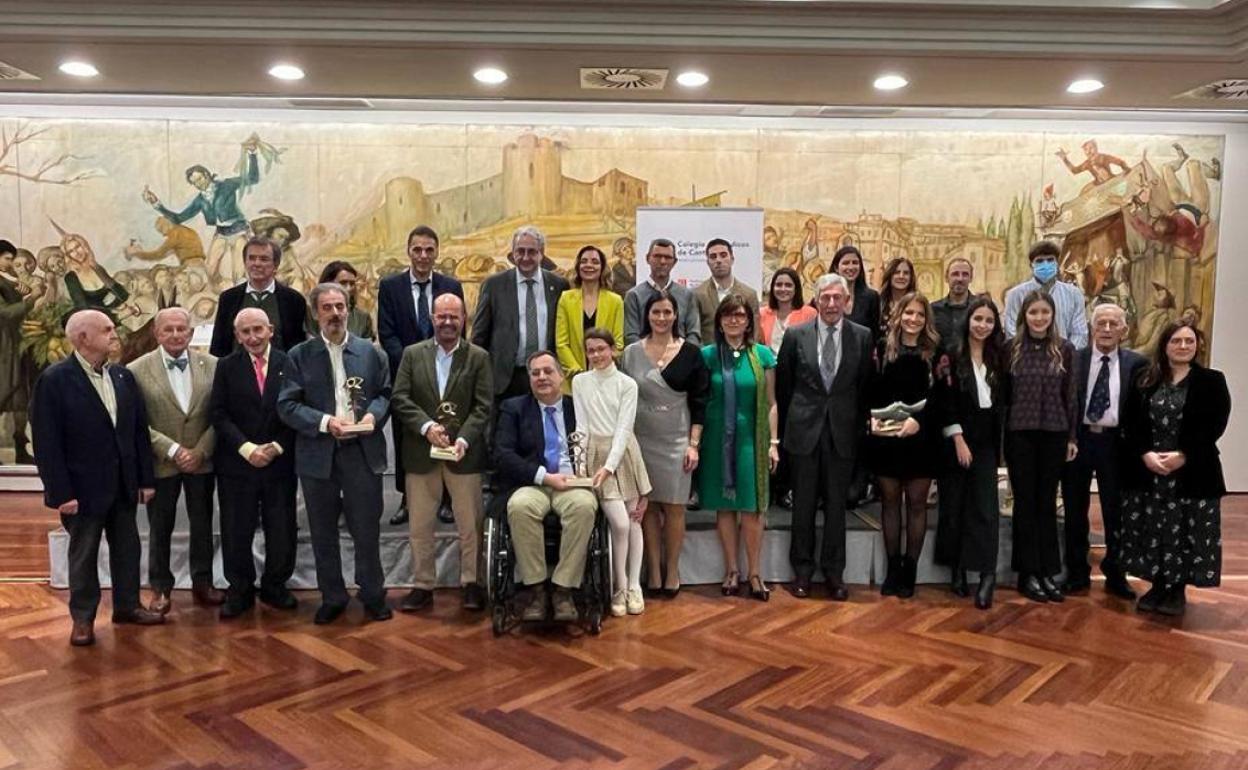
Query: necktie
(423, 323)
(1098, 404)
(552, 441)
(827, 363)
(530, 317)
(180, 363)
(258, 364)
(259, 296)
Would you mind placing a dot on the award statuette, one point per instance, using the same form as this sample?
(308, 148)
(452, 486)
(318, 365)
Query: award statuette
(449, 420)
(889, 419)
(576, 454)
(355, 399)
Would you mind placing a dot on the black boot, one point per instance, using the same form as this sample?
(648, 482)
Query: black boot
(957, 583)
(1149, 601)
(909, 567)
(983, 596)
(892, 580)
(1173, 601)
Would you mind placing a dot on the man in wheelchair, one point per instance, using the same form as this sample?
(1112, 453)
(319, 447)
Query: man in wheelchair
(532, 466)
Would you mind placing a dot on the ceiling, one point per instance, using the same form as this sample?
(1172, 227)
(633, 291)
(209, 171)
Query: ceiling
(975, 53)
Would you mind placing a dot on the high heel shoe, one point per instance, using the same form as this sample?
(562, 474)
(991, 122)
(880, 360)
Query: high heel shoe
(761, 593)
(671, 593)
(957, 583)
(731, 585)
(892, 578)
(909, 570)
(983, 596)
(1051, 590)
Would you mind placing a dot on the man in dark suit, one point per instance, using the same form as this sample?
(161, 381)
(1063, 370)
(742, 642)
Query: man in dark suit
(95, 461)
(255, 464)
(442, 397)
(821, 379)
(1104, 373)
(515, 314)
(284, 306)
(532, 464)
(405, 317)
(336, 396)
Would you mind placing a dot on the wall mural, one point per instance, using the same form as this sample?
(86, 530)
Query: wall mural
(132, 216)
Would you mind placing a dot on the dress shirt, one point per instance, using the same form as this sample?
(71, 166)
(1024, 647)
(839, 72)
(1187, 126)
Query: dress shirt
(271, 289)
(416, 292)
(539, 293)
(103, 385)
(342, 403)
(1110, 418)
(180, 381)
(442, 368)
(836, 333)
(983, 394)
(565, 461)
(720, 291)
(1071, 317)
(247, 446)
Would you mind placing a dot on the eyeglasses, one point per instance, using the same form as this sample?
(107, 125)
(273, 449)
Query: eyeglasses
(739, 315)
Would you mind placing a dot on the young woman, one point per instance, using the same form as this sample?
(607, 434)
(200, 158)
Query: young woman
(359, 322)
(741, 439)
(1172, 481)
(903, 457)
(589, 304)
(1039, 439)
(971, 399)
(898, 281)
(784, 308)
(605, 400)
(671, 409)
(847, 262)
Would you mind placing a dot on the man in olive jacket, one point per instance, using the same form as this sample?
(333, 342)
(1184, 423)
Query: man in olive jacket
(442, 395)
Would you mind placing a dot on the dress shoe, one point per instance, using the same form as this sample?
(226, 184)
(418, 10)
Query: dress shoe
(377, 612)
(1148, 602)
(1173, 602)
(139, 616)
(564, 609)
(786, 500)
(474, 597)
(909, 573)
(892, 578)
(416, 600)
(1030, 587)
(206, 595)
(445, 514)
(1116, 585)
(83, 634)
(1076, 584)
(837, 591)
(800, 587)
(236, 605)
(534, 605)
(400, 516)
(279, 599)
(1051, 590)
(328, 613)
(983, 595)
(161, 602)
(957, 583)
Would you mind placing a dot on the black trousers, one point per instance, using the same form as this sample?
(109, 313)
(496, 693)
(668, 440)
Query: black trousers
(354, 491)
(822, 472)
(246, 502)
(124, 551)
(162, 513)
(1035, 459)
(968, 531)
(400, 476)
(1098, 454)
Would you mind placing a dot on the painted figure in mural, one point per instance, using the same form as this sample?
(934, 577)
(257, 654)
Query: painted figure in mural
(623, 266)
(14, 394)
(1155, 320)
(88, 283)
(51, 262)
(1184, 226)
(21, 273)
(772, 251)
(180, 240)
(1099, 164)
(810, 241)
(1050, 211)
(283, 230)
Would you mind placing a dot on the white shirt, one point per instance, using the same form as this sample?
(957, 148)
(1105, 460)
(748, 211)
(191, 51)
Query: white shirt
(721, 291)
(836, 334)
(442, 368)
(565, 461)
(103, 385)
(539, 293)
(180, 381)
(416, 292)
(271, 288)
(982, 390)
(606, 406)
(342, 402)
(1110, 418)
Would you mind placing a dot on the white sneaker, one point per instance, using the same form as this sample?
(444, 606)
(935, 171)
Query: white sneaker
(636, 604)
(619, 604)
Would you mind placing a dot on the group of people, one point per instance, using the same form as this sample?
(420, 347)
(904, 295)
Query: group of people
(572, 399)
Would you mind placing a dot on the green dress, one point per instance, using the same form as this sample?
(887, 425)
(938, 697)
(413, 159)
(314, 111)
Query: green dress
(711, 463)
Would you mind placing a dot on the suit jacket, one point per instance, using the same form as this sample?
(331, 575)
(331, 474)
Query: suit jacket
(167, 423)
(396, 311)
(707, 297)
(570, 328)
(415, 401)
(496, 323)
(78, 451)
(520, 441)
(307, 395)
(240, 413)
(291, 307)
(866, 310)
(1205, 414)
(1130, 366)
(805, 406)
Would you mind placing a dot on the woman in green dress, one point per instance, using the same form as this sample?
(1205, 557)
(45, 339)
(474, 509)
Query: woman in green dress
(741, 440)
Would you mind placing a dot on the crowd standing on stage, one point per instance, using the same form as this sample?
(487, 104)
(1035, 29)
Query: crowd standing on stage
(573, 400)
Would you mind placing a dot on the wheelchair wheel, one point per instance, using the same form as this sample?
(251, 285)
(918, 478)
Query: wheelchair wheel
(487, 545)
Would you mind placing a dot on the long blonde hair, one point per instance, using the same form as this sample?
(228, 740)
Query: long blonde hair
(1052, 340)
(929, 338)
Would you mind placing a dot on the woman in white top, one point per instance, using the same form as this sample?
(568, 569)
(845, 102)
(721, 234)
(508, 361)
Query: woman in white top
(606, 406)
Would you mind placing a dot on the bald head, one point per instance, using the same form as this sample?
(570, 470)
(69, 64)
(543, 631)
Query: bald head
(92, 335)
(253, 330)
(448, 320)
(250, 315)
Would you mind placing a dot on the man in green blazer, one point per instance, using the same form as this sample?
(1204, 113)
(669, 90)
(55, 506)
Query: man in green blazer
(710, 293)
(442, 396)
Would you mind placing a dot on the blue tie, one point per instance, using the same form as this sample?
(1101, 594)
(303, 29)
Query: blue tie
(552, 441)
(178, 362)
(423, 323)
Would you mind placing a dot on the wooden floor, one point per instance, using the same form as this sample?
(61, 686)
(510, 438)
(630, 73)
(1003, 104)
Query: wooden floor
(703, 681)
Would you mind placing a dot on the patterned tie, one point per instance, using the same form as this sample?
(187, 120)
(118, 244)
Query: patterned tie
(1098, 404)
(258, 364)
(259, 296)
(552, 441)
(827, 364)
(180, 363)
(423, 322)
(530, 317)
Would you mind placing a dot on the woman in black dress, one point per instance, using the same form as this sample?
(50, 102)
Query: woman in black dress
(847, 262)
(898, 281)
(902, 453)
(1172, 476)
(971, 396)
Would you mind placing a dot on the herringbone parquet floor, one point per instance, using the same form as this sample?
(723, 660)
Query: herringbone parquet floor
(703, 681)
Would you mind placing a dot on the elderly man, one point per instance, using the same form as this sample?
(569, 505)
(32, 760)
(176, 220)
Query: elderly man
(1071, 318)
(532, 465)
(719, 259)
(516, 312)
(336, 396)
(949, 312)
(176, 383)
(255, 466)
(442, 396)
(284, 306)
(661, 257)
(1104, 374)
(95, 460)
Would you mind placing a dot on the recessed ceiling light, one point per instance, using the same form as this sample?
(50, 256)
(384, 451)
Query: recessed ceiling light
(1084, 86)
(79, 69)
(692, 79)
(286, 72)
(890, 82)
(491, 76)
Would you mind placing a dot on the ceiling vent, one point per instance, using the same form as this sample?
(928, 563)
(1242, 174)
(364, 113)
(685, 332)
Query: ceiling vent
(623, 79)
(1235, 89)
(9, 72)
(313, 103)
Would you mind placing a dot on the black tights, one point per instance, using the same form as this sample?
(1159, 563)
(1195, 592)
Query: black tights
(915, 491)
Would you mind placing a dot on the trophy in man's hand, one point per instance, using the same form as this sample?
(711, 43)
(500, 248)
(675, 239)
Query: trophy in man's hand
(580, 464)
(449, 420)
(355, 404)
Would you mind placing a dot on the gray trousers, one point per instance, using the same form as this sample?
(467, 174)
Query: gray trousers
(353, 490)
(85, 529)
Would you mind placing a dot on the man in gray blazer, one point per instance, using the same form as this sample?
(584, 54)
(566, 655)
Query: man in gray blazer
(661, 257)
(821, 380)
(176, 383)
(336, 396)
(516, 312)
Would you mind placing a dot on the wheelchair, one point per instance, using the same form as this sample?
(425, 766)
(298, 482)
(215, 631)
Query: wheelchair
(592, 599)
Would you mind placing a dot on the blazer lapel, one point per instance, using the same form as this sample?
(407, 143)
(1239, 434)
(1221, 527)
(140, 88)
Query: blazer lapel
(88, 390)
(406, 300)
(157, 371)
(459, 359)
(849, 353)
(121, 394)
(201, 383)
(809, 347)
(427, 363)
(272, 378)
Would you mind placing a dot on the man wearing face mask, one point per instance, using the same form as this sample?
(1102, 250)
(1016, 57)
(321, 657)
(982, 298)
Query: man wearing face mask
(1071, 319)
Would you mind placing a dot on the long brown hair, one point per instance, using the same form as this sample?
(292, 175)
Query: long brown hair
(929, 338)
(1053, 341)
(886, 286)
(1159, 370)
